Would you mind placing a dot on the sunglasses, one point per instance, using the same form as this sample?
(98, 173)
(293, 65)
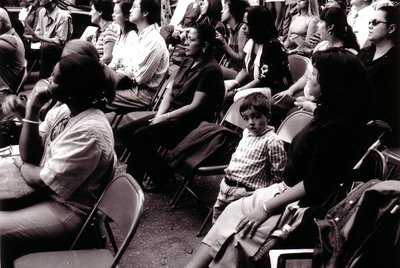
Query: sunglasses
(376, 22)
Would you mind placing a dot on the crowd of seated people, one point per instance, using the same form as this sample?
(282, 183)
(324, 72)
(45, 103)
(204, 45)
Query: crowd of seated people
(351, 79)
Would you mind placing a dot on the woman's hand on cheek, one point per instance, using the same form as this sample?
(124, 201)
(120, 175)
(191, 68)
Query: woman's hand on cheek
(249, 224)
(39, 96)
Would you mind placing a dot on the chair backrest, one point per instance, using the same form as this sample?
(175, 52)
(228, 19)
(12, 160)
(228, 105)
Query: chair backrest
(293, 124)
(122, 203)
(232, 118)
(374, 166)
(297, 66)
(166, 82)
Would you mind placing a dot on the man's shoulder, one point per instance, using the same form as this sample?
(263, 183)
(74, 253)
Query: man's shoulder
(62, 13)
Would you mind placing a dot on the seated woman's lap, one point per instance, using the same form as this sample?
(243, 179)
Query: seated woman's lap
(49, 225)
(226, 224)
(146, 141)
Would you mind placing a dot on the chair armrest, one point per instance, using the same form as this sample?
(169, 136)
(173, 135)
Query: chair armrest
(211, 170)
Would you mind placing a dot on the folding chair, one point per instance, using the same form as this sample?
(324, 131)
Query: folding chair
(293, 124)
(297, 66)
(155, 101)
(121, 203)
(233, 121)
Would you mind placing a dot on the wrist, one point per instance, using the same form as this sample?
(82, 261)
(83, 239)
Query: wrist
(33, 122)
(266, 209)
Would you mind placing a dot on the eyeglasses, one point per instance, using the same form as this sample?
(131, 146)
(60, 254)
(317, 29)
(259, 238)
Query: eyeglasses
(376, 22)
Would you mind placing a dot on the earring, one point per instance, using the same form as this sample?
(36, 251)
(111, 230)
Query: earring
(204, 50)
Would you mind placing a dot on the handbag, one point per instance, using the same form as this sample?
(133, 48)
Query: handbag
(10, 131)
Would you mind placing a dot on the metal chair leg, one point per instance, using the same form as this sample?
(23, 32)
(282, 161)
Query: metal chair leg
(184, 187)
(203, 225)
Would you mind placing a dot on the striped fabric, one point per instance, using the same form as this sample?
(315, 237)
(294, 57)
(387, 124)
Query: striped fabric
(258, 161)
(150, 59)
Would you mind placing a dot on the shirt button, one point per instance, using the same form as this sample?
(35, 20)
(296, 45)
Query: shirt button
(336, 219)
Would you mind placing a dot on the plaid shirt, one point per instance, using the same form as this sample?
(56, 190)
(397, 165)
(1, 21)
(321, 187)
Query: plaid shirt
(258, 161)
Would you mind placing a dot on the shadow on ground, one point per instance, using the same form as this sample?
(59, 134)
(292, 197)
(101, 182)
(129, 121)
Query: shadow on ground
(167, 237)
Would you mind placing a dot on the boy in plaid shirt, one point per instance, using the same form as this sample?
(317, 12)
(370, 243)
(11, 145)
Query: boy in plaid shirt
(259, 159)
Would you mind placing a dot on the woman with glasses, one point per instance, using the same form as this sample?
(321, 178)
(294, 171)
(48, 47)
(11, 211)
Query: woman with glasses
(67, 159)
(381, 60)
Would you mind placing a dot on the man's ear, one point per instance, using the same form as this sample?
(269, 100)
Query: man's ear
(330, 28)
(145, 14)
(392, 28)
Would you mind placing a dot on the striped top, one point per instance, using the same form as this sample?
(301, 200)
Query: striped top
(150, 59)
(109, 33)
(258, 161)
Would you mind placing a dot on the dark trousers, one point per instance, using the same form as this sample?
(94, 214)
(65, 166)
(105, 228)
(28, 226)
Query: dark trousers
(144, 145)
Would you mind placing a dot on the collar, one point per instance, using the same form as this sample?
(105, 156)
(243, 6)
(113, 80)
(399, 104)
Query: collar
(105, 26)
(147, 30)
(266, 130)
(237, 27)
(53, 14)
(366, 10)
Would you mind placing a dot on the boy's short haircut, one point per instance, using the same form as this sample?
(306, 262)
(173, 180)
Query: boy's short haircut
(258, 102)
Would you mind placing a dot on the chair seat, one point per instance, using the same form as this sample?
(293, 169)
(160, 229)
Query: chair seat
(74, 258)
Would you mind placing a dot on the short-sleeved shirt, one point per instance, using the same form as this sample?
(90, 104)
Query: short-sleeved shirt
(205, 77)
(109, 33)
(79, 152)
(56, 25)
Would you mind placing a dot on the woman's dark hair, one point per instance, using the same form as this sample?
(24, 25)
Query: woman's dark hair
(341, 29)
(84, 80)
(392, 17)
(206, 34)
(344, 84)
(237, 8)
(342, 5)
(261, 24)
(214, 11)
(153, 9)
(105, 7)
(126, 6)
(258, 102)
